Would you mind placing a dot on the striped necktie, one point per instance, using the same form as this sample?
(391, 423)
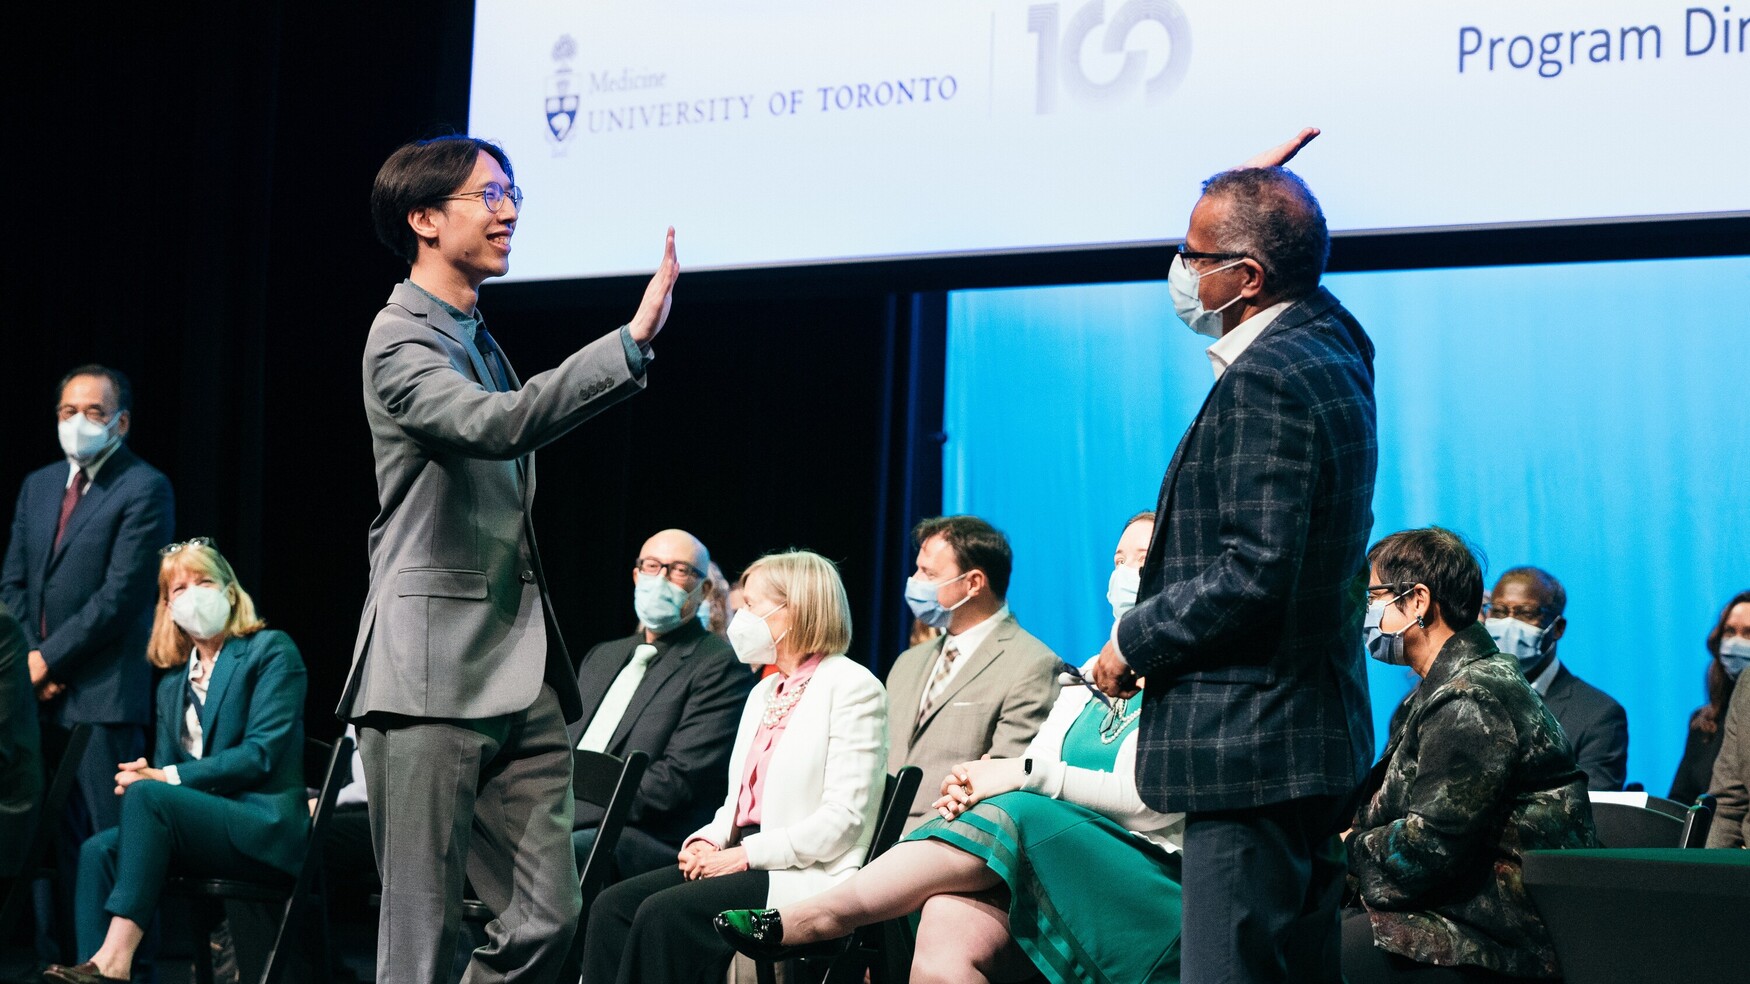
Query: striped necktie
(938, 681)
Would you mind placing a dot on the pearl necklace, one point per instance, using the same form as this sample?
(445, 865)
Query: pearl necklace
(1116, 720)
(778, 705)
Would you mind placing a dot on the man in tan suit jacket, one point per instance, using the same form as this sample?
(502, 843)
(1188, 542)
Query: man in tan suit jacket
(993, 691)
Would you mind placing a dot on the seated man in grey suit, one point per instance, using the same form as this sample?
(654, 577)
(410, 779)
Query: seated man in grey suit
(672, 690)
(985, 686)
(1525, 617)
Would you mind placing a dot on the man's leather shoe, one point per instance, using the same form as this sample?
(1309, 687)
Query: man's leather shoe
(85, 973)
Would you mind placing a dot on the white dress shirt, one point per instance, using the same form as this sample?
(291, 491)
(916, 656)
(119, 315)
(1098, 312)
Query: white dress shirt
(1228, 347)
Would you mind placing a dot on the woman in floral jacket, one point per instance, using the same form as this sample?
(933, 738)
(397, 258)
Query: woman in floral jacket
(1477, 773)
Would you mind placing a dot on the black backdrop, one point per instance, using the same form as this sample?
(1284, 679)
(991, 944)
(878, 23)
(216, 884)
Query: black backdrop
(187, 202)
(189, 206)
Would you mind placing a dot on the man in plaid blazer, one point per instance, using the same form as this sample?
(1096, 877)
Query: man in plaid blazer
(1255, 721)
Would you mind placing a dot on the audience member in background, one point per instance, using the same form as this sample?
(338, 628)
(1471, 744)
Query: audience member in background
(986, 685)
(714, 605)
(226, 799)
(1476, 774)
(1019, 870)
(21, 775)
(78, 577)
(805, 788)
(671, 690)
(1526, 621)
(921, 632)
(1731, 780)
(1728, 647)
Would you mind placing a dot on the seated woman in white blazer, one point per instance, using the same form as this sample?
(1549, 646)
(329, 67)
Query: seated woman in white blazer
(805, 781)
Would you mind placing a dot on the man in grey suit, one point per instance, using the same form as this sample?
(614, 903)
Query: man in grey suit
(460, 685)
(986, 685)
(671, 690)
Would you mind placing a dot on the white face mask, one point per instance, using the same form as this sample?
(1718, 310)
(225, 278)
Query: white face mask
(83, 439)
(201, 611)
(1182, 283)
(1734, 655)
(1521, 640)
(1121, 589)
(751, 637)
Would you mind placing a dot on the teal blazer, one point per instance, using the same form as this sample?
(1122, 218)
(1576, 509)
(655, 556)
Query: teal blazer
(253, 743)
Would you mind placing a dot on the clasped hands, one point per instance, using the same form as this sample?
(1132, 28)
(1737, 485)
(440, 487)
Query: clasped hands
(969, 783)
(135, 771)
(703, 859)
(46, 689)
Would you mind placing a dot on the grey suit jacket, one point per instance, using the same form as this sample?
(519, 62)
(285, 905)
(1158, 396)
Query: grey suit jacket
(994, 704)
(455, 624)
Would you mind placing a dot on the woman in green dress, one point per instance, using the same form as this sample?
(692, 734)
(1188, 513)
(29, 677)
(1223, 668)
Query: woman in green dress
(1018, 875)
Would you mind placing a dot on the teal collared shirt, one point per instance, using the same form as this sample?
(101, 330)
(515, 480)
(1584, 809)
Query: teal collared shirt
(636, 357)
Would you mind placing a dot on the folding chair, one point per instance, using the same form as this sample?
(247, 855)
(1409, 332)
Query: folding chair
(38, 858)
(865, 949)
(293, 894)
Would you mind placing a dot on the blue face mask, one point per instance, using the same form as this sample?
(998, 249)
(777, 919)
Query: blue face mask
(1734, 655)
(658, 602)
(1182, 283)
(1520, 640)
(1387, 647)
(921, 596)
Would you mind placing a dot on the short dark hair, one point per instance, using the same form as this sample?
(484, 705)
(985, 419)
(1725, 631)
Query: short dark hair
(1555, 597)
(418, 175)
(118, 381)
(1443, 561)
(976, 545)
(1273, 218)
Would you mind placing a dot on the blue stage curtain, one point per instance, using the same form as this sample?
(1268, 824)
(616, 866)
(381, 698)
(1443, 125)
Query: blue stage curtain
(1591, 419)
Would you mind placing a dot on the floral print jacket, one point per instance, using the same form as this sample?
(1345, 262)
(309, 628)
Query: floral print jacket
(1478, 774)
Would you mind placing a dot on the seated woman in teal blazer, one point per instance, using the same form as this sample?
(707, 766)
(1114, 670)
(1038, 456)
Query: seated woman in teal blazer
(226, 798)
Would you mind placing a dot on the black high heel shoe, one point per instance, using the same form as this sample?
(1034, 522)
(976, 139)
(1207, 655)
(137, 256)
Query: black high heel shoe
(756, 933)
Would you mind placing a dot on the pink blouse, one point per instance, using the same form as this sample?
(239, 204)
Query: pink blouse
(759, 754)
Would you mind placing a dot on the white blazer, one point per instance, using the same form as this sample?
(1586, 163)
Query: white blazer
(823, 791)
(1111, 794)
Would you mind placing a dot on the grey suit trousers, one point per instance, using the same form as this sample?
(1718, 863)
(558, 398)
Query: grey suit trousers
(486, 799)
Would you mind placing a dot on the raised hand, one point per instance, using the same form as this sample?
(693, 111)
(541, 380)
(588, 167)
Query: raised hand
(653, 310)
(1282, 153)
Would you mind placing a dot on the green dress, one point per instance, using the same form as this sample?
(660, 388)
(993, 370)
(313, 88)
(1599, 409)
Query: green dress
(1090, 902)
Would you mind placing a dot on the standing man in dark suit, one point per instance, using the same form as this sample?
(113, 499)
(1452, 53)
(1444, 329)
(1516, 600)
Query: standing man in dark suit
(1247, 626)
(81, 576)
(1524, 615)
(672, 690)
(460, 685)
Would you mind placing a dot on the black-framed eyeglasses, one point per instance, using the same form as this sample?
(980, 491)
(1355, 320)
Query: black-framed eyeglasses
(492, 196)
(1186, 254)
(678, 571)
(197, 541)
(1395, 586)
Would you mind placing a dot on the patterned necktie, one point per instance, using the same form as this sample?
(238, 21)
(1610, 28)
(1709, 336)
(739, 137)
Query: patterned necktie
(938, 681)
(615, 702)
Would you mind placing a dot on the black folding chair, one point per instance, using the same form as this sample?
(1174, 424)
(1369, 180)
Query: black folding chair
(38, 859)
(1698, 819)
(865, 948)
(294, 894)
(1661, 823)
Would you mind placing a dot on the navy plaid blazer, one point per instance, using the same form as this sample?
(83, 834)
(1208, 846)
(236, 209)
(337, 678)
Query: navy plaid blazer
(1248, 621)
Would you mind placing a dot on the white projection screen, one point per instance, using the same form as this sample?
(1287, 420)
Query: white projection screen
(806, 131)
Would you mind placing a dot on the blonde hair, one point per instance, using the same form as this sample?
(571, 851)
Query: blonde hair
(169, 645)
(820, 614)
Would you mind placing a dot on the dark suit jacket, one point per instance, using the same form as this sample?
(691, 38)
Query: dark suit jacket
(253, 743)
(1478, 774)
(683, 715)
(1597, 728)
(1696, 769)
(21, 767)
(98, 590)
(1248, 620)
